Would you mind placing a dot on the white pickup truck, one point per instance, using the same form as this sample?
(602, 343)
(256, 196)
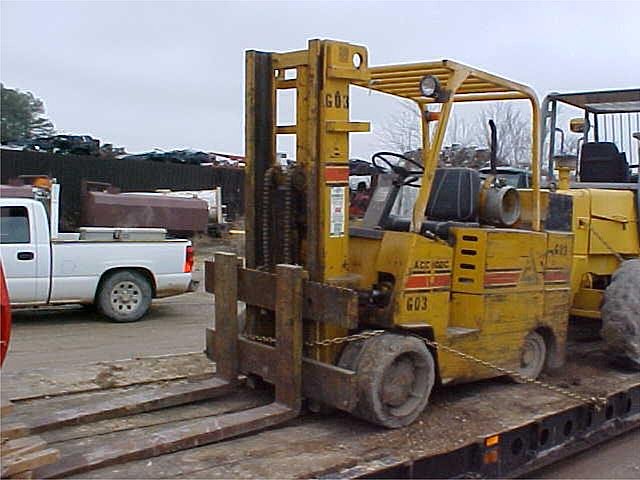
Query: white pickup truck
(119, 270)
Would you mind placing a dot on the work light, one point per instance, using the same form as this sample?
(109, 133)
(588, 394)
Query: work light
(429, 86)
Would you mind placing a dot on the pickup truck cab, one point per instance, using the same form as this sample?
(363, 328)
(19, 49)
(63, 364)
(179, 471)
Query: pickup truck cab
(119, 270)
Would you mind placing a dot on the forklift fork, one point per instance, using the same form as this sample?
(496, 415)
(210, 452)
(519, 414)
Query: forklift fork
(287, 378)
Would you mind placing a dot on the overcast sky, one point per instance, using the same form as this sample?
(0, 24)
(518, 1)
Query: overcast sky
(170, 74)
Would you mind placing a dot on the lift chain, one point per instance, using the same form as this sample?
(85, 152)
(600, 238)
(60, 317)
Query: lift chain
(598, 402)
(320, 343)
(287, 217)
(266, 216)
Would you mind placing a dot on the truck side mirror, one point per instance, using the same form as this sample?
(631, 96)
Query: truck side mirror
(577, 125)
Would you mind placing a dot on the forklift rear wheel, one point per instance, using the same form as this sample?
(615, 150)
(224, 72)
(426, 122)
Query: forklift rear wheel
(621, 315)
(395, 375)
(533, 356)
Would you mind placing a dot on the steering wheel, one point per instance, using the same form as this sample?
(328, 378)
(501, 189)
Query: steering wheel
(403, 172)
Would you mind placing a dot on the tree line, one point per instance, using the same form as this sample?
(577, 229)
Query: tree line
(22, 116)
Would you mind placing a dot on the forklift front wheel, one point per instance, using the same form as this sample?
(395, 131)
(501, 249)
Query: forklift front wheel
(533, 356)
(395, 375)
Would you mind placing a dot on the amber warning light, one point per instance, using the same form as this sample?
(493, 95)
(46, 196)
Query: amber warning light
(492, 440)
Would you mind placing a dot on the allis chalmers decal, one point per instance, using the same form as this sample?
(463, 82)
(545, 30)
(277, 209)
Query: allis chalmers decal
(429, 274)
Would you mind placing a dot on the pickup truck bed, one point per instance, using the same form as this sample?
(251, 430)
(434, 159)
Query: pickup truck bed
(536, 426)
(119, 270)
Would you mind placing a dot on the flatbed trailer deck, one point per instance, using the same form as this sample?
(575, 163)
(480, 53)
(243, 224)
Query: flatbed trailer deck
(456, 435)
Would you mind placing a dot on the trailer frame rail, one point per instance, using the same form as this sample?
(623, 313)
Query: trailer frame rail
(515, 451)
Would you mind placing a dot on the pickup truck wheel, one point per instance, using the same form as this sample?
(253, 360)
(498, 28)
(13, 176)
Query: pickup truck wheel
(395, 375)
(124, 296)
(621, 315)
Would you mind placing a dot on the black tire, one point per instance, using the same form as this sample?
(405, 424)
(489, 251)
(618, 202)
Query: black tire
(533, 357)
(395, 375)
(124, 296)
(621, 315)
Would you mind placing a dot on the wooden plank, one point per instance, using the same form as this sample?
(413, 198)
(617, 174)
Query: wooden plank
(13, 430)
(243, 399)
(132, 403)
(37, 383)
(23, 445)
(6, 406)
(169, 439)
(29, 461)
(323, 303)
(326, 383)
(288, 354)
(28, 475)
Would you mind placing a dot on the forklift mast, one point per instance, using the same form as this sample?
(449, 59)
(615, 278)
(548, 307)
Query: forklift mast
(300, 214)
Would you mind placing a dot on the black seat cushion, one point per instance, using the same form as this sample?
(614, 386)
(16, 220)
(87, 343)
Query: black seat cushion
(602, 162)
(455, 195)
(436, 227)
(441, 229)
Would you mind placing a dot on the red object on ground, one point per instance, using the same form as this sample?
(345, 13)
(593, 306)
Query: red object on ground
(5, 317)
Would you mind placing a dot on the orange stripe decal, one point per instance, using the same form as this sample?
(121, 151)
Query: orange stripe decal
(501, 279)
(336, 174)
(556, 276)
(428, 282)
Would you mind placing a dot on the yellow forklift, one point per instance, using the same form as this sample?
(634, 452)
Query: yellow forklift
(449, 278)
(435, 286)
(600, 179)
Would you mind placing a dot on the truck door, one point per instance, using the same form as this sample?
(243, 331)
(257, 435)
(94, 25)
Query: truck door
(21, 256)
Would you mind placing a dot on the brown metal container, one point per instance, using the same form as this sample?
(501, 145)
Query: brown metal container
(11, 191)
(102, 209)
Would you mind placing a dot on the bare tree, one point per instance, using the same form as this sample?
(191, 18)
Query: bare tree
(571, 144)
(513, 132)
(460, 131)
(401, 131)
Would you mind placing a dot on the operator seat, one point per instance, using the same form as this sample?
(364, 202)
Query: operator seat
(453, 202)
(602, 162)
